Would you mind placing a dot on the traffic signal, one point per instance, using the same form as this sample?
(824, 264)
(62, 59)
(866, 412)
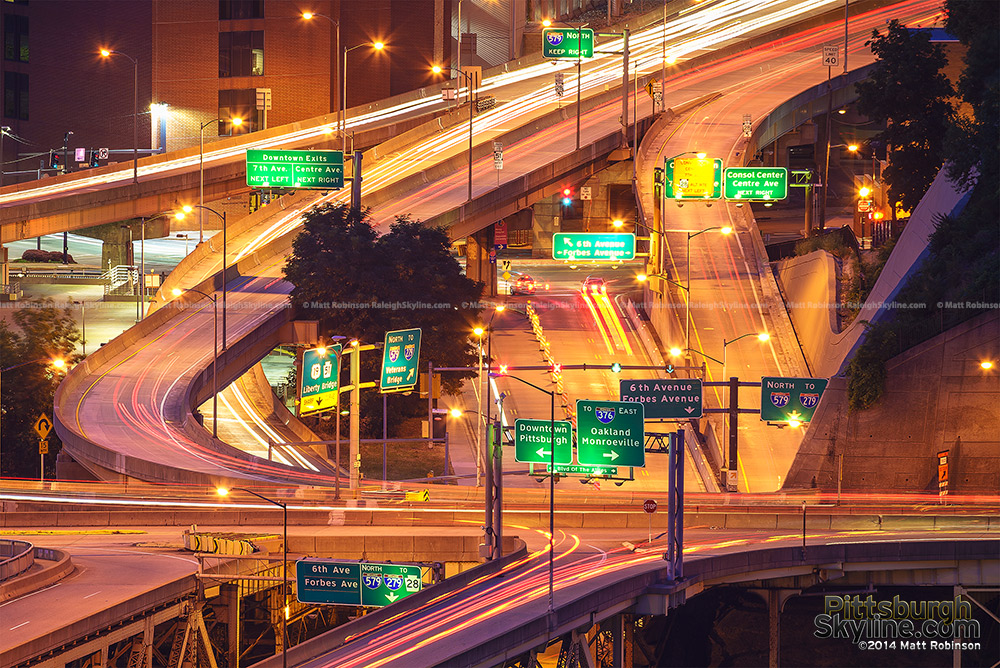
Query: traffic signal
(93, 158)
(567, 196)
(53, 160)
(616, 367)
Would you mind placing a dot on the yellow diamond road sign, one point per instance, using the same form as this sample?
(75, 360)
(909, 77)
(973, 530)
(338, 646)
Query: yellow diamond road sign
(43, 425)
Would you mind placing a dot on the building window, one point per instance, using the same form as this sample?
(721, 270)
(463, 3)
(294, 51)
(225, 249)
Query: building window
(15, 38)
(241, 9)
(242, 104)
(15, 95)
(241, 54)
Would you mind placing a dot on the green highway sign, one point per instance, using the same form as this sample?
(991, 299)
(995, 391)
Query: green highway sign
(755, 183)
(609, 433)
(589, 471)
(567, 43)
(354, 583)
(532, 439)
(319, 384)
(689, 177)
(399, 360)
(600, 246)
(295, 169)
(785, 399)
(670, 398)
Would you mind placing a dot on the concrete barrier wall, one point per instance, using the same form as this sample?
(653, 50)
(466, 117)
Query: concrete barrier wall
(60, 565)
(809, 286)
(937, 398)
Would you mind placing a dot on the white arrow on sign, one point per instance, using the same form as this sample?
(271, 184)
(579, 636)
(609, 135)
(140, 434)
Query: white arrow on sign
(409, 376)
(391, 597)
(541, 452)
(613, 455)
(690, 409)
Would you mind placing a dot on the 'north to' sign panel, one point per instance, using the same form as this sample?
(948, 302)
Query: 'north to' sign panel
(755, 183)
(609, 433)
(598, 246)
(670, 398)
(532, 439)
(399, 360)
(295, 169)
(567, 43)
(785, 399)
(318, 390)
(352, 583)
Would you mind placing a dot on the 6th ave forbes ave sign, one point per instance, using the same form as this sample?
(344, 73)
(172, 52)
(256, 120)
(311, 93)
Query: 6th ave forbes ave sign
(607, 246)
(295, 169)
(786, 399)
(532, 439)
(610, 433)
(353, 583)
(400, 357)
(673, 398)
(320, 377)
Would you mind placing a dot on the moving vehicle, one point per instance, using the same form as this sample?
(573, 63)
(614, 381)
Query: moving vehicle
(522, 285)
(595, 285)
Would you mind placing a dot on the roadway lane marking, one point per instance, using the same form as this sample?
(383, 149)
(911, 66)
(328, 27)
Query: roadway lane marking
(94, 594)
(19, 625)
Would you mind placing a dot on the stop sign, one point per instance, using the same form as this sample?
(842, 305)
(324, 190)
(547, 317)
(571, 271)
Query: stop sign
(649, 505)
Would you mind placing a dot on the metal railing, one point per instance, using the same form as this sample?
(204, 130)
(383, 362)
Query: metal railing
(119, 277)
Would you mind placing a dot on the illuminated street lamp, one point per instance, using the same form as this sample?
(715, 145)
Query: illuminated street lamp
(378, 46)
(201, 168)
(107, 53)
(188, 209)
(215, 357)
(437, 69)
(57, 363)
(310, 15)
(222, 491)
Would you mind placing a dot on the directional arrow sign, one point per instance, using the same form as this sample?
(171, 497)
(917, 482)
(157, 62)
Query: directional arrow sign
(318, 387)
(785, 399)
(609, 433)
(532, 439)
(399, 360)
(353, 583)
(43, 425)
(673, 398)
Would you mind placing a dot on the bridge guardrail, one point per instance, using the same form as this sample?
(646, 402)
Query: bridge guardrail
(19, 557)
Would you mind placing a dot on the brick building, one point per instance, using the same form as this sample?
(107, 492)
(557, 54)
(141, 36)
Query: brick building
(203, 59)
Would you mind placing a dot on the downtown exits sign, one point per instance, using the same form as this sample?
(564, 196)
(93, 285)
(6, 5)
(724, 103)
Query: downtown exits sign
(610, 433)
(595, 246)
(532, 439)
(567, 43)
(354, 583)
(295, 169)
(787, 399)
(755, 183)
(400, 357)
(319, 384)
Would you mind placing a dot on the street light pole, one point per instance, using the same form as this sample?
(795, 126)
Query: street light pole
(224, 256)
(4, 129)
(437, 69)
(552, 478)
(333, 87)
(378, 46)
(106, 53)
(215, 359)
(201, 168)
(284, 566)
(687, 267)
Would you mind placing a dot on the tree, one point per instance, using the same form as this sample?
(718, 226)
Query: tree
(907, 90)
(40, 333)
(360, 285)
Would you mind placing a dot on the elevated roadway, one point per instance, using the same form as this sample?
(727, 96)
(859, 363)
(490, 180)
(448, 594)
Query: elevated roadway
(132, 401)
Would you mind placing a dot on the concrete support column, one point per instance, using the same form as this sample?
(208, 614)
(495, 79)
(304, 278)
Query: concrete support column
(775, 600)
(230, 595)
(478, 266)
(545, 222)
(623, 641)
